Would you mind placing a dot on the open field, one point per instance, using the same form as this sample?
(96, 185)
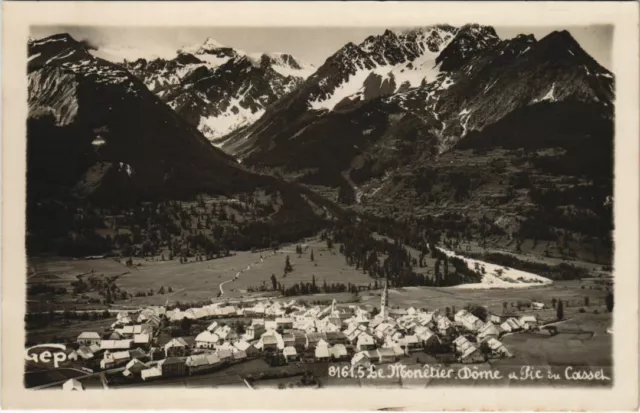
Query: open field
(198, 280)
(40, 377)
(432, 298)
(60, 330)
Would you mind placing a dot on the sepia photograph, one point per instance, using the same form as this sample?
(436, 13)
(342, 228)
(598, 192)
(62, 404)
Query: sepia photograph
(303, 207)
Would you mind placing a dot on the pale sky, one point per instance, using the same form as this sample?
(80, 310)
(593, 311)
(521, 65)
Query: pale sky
(309, 44)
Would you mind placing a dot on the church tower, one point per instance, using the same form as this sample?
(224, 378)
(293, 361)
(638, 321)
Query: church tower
(384, 312)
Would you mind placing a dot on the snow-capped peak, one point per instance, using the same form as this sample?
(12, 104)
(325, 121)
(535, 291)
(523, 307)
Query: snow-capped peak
(201, 48)
(210, 44)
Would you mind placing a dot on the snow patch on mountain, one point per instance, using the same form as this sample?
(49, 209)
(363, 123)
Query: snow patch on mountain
(497, 276)
(350, 87)
(549, 97)
(234, 117)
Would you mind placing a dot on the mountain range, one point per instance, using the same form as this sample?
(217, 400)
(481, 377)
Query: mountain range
(423, 122)
(98, 138)
(219, 89)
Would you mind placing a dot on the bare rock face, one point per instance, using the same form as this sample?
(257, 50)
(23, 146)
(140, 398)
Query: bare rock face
(105, 133)
(219, 89)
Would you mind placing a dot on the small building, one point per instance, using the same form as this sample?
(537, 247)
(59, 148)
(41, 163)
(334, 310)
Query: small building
(138, 353)
(365, 342)
(269, 342)
(207, 339)
(72, 385)
(254, 331)
(461, 343)
(387, 355)
(312, 340)
(445, 327)
(290, 353)
(289, 340)
(498, 348)
(115, 344)
(239, 356)
(428, 339)
(339, 352)
(270, 325)
(134, 367)
(528, 322)
(489, 330)
(173, 367)
(84, 353)
(284, 323)
(89, 338)
(247, 348)
(537, 306)
(467, 351)
(361, 360)
(225, 356)
(468, 320)
(176, 347)
(114, 359)
(212, 326)
(202, 362)
(115, 336)
(410, 343)
(514, 323)
(142, 340)
(300, 338)
(495, 319)
(322, 352)
(506, 327)
(335, 337)
(472, 355)
(152, 373)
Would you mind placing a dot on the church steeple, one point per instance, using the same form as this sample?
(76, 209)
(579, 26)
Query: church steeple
(383, 300)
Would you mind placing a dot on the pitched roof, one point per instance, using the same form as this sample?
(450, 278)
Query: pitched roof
(207, 337)
(89, 335)
(386, 352)
(152, 372)
(289, 351)
(242, 345)
(269, 339)
(120, 355)
(115, 344)
(176, 342)
(172, 360)
(322, 352)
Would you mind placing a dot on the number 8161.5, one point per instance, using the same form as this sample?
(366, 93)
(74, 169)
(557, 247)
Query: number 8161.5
(347, 372)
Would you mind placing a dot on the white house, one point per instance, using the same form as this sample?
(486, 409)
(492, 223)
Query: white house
(365, 342)
(72, 385)
(151, 373)
(528, 322)
(89, 338)
(489, 330)
(361, 359)
(498, 348)
(290, 353)
(207, 339)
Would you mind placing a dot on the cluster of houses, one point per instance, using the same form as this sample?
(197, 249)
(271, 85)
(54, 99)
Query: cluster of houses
(295, 332)
(127, 344)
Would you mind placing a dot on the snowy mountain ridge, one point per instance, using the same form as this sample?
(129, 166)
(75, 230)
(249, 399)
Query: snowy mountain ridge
(218, 88)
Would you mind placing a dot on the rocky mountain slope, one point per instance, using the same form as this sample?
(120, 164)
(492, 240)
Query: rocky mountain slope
(218, 88)
(98, 138)
(518, 129)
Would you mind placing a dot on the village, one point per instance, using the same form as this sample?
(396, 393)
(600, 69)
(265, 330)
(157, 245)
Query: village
(154, 345)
